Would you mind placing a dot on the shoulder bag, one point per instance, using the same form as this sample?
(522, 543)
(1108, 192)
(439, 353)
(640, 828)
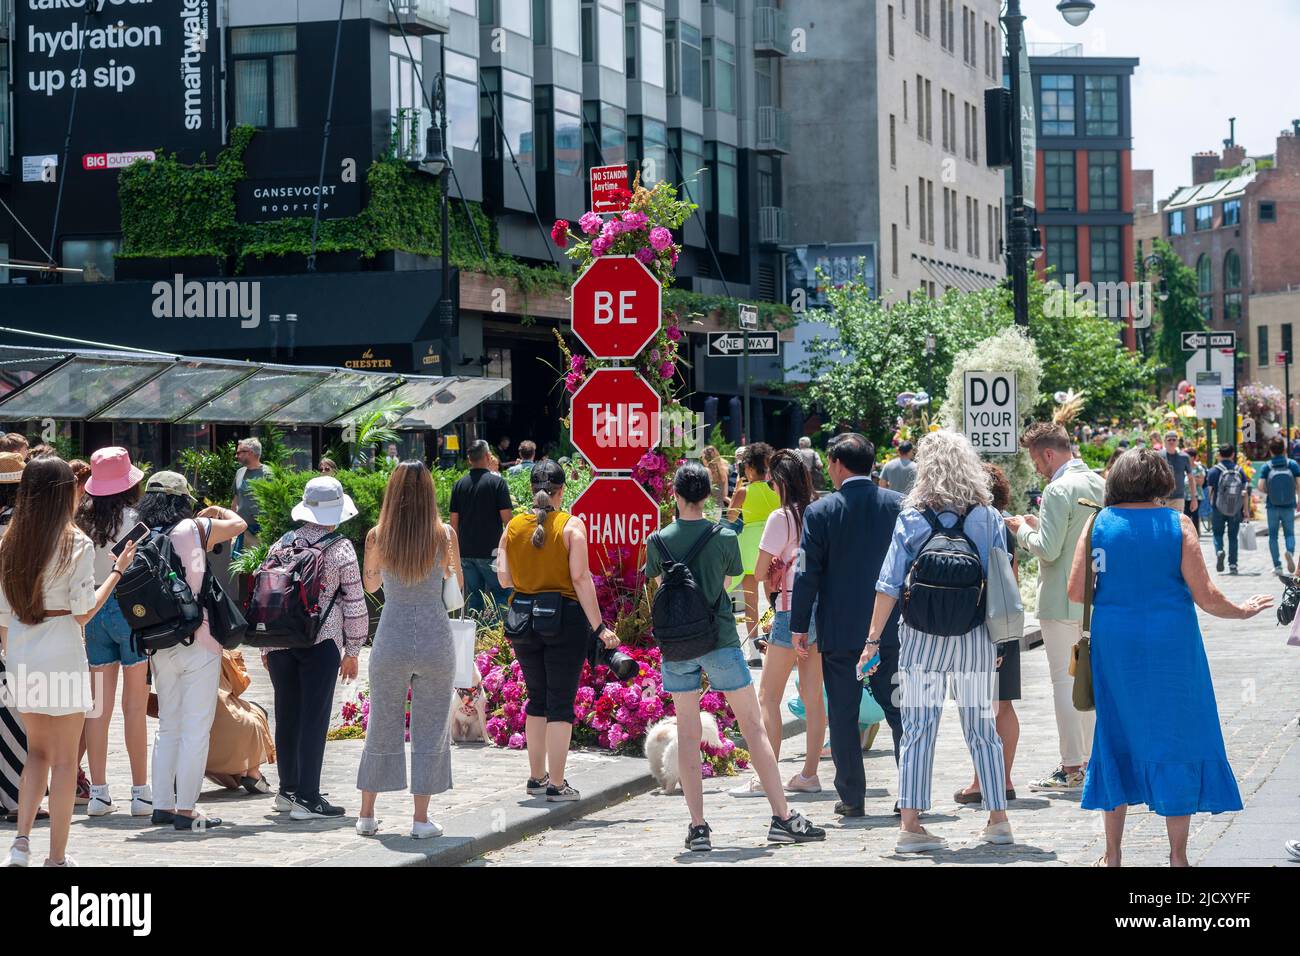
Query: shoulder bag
(1081, 655)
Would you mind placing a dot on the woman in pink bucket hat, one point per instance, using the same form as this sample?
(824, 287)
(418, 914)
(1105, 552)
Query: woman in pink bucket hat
(105, 514)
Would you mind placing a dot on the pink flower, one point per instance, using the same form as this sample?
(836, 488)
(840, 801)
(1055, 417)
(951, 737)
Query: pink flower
(660, 238)
(635, 220)
(516, 742)
(706, 770)
(599, 245)
(578, 363)
(667, 370)
(611, 229)
(655, 356)
(645, 255)
(674, 333)
(590, 223)
(674, 259)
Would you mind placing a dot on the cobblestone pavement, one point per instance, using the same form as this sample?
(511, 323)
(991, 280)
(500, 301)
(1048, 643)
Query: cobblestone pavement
(1257, 682)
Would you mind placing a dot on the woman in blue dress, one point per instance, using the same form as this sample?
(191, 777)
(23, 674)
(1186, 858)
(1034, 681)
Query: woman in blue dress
(1158, 741)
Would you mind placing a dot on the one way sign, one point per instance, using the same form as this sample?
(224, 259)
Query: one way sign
(732, 344)
(1195, 341)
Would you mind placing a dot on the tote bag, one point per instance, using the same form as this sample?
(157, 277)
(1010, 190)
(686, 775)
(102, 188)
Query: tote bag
(1006, 612)
(463, 631)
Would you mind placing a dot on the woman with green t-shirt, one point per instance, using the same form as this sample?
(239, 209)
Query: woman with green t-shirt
(753, 501)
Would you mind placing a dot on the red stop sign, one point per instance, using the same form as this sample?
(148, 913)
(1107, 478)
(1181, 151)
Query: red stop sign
(620, 515)
(614, 419)
(616, 308)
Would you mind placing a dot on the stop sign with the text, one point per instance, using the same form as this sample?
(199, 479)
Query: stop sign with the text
(614, 419)
(620, 516)
(617, 308)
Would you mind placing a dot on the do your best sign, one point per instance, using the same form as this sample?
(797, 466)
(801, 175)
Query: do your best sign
(991, 421)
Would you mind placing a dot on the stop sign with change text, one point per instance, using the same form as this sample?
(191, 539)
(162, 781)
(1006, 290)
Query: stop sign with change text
(614, 419)
(620, 516)
(617, 307)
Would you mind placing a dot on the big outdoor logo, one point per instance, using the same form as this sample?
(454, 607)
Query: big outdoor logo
(178, 299)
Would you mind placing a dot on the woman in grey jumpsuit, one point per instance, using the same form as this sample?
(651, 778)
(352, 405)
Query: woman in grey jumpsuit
(409, 552)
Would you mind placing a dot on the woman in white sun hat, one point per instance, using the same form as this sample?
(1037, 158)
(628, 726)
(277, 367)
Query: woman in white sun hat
(304, 678)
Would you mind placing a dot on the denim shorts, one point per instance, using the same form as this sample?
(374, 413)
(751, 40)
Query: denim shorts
(726, 666)
(108, 638)
(781, 636)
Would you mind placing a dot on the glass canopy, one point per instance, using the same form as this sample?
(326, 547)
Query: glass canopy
(128, 386)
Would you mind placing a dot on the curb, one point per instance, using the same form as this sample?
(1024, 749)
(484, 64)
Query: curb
(503, 824)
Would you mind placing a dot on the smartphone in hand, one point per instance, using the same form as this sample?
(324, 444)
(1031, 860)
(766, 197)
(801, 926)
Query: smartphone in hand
(135, 534)
(864, 672)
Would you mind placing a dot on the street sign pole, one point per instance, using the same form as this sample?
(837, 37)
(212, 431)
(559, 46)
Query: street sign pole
(1209, 422)
(748, 320)
(1286, 378)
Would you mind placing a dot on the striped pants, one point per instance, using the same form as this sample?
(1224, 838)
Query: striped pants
(13, 750)
(927, 667)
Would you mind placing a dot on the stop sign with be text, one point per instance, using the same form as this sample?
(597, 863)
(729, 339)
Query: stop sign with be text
(617, 307)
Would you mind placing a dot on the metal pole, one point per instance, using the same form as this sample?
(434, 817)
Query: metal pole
(744, 371)
(1209, 422)
(1286, 375)
(446, 312)
(1018, 227)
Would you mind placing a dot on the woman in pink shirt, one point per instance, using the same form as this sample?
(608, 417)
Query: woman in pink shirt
(185, 677)
(778, 560)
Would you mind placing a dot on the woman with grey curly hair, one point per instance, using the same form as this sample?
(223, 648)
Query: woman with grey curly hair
(949, 497)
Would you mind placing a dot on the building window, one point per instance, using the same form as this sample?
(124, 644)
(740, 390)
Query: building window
(1177, 223)
(93, 256)
(1057, 94)
(1204, 275)
(907, 207)
(685, 60)
(645, 61)
(408, 118)
(511, 123)
(511, 14)
(719, 75)
(462, 101)
(893, 141)
(1232, 307)
(943, 119)
(611, 121)
(1232, 212)
(891, 38)
(688, 152)
(1101, 105)
(559, 131)
(975, 219)
(724, 196)
(920, 209)
(1058, 180)
(565, 26)
(1268, 212)
(1103, 180)
(893, 245)
(920, 107)
(265, 64)
(1204, 217)
(905, 101)
(1232, 270)
(1107, 265)
(929, 209)
(647, 145)
(1261, 346)
(1062, 252)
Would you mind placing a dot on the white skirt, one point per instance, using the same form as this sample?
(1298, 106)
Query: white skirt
(47, 669)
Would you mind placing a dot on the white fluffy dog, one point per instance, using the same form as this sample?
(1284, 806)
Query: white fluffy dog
(661, 748)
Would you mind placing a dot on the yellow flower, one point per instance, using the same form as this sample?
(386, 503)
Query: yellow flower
(934, 426)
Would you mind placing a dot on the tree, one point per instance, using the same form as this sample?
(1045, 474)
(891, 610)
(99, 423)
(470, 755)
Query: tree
(875, 352)
(1179, 313)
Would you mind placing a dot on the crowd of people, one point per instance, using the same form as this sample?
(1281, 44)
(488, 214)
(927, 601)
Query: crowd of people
(843, 570)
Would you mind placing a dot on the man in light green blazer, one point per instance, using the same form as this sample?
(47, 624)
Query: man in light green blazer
(1052, 537)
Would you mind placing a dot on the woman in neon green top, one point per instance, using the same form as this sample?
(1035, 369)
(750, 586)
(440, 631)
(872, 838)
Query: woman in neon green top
(754, 500)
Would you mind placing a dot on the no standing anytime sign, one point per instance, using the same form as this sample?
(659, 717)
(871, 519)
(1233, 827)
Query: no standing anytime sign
(991, 417)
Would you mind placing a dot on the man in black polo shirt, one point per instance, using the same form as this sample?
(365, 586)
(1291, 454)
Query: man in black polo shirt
(480, 508)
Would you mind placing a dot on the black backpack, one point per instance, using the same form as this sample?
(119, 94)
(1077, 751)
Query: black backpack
(682, 618)
(944, 591)
(155, 598)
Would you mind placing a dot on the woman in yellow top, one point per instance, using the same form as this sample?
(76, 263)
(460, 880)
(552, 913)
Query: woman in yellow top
(754, 500)
(544, 552)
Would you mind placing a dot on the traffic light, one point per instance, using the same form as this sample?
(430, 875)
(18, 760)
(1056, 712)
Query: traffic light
(998, 126)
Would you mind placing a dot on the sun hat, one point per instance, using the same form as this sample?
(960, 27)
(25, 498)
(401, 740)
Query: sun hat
(323, 502)
(111, 472)
(169, 483)
(11, 468)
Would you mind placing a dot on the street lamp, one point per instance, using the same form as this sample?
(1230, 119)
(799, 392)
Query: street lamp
(1019, 241)
(1075, 11)
(437, 162)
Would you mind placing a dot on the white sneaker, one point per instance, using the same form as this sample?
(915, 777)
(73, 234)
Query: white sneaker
(282, 803)
(141, 801)
(998, 834)
(367, 826)
(424, 830)
(19, 856)
(101, 802)
(66, 861)
(754, 788)
(909, 842)
(801, 784)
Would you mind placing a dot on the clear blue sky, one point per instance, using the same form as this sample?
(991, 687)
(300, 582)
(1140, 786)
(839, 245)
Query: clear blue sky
(1202, 61)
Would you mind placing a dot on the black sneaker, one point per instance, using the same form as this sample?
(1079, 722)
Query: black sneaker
(162, 818)
(1218, 562)
(797, 829)
(195, 824)
(1232, 569)
(320, 809)
(537, 788)
(697, 838)
(561, 794)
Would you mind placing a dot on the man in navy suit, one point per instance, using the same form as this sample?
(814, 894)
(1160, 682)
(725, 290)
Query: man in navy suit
(845, 538)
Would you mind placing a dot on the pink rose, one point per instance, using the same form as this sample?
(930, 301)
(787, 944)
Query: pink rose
(516, 742)
(660, 238)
